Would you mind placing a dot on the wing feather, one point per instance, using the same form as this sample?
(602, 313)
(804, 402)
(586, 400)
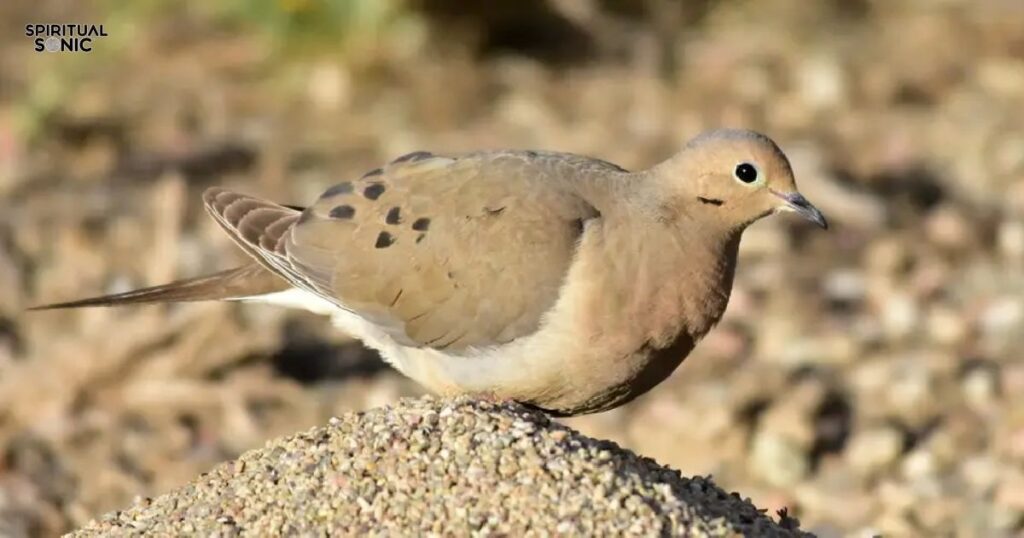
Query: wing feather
(452, 252)
(441, 252)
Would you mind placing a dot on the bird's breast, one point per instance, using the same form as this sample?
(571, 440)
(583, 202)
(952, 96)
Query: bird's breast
(632, 309)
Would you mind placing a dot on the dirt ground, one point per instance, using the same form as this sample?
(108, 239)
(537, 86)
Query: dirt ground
(869, 378)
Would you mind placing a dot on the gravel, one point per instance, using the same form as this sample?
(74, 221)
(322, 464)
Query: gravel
(443, 467)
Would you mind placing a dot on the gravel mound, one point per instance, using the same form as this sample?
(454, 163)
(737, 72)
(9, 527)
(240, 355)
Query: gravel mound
(454, 467)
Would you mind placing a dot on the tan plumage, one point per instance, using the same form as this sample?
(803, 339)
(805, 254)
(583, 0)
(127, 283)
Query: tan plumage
(549, 278)
(240, 282)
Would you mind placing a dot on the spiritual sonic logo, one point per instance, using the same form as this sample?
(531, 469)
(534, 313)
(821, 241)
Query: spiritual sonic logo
(64, 37)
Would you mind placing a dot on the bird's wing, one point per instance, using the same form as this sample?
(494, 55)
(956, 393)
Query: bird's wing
(259, 227)
(440, 252)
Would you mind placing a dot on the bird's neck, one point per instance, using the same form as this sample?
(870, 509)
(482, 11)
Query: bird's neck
(667, 283)
(697, 279)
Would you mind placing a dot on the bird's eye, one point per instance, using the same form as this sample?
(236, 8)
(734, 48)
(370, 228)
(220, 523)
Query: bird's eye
(745, 172)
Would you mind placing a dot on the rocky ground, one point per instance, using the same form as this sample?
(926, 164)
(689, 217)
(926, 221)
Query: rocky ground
(443, 468)
(868, 378)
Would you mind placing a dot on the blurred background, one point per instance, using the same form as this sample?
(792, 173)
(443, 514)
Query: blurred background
(870, 379)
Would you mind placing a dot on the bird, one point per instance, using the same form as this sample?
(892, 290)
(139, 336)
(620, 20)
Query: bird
(560, 281)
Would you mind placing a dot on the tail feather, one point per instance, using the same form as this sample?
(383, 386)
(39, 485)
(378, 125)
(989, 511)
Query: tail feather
(240, 282)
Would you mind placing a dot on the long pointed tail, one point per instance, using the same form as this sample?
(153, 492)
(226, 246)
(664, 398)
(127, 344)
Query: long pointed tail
(246, 281)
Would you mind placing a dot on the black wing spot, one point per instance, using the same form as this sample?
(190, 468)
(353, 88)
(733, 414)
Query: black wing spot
(340, 188)
(343, 212)
(394, 215)
(420, 237)
(421, 224)
(374, 172)
(374, 191)
(414, 156)
(712, 201)
(384, 240)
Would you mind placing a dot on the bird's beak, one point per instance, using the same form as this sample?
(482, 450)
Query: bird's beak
(794, 201)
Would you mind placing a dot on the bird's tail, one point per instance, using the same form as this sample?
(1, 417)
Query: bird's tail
(240, 282)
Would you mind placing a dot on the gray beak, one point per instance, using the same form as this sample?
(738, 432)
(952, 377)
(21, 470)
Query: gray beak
(798, 204)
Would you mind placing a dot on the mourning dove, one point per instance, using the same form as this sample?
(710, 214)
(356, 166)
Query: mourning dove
(557, 280)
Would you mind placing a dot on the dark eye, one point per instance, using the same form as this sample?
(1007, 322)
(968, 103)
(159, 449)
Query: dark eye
(745, 172)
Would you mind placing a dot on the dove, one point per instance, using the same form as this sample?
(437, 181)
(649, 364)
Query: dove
(556, 280)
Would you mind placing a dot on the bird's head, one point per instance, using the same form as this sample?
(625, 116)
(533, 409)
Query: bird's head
(734, 177)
